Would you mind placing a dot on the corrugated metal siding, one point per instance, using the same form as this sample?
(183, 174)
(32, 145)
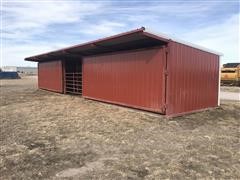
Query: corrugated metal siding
(192, 82)
(134, 79)
(50, 76)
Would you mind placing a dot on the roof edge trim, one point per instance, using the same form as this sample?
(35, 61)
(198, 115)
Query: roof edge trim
(170, 38)
(143, 30)
(88, 43)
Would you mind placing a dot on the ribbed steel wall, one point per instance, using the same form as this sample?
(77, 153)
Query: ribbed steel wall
(50, 76)
(134, 79)
(192, 82)
(186, 80)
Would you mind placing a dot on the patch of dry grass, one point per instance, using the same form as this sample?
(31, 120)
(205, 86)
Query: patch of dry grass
(46, 135)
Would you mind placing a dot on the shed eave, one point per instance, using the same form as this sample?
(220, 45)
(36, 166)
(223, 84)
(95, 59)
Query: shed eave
(170, 38)
(85, 48)
(32, 58)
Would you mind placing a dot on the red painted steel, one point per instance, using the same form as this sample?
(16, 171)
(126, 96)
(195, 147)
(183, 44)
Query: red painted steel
(135, 79)
(50, 76)
(192, 81)
(184, 81)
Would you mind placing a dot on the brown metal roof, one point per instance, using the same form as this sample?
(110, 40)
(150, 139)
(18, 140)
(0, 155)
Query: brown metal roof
(125, 41)
(135, 39)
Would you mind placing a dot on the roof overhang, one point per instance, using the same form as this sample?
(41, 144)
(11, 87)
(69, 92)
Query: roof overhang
(136, 39)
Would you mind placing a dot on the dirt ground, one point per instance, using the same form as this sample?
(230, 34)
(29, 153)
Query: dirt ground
(47, 135)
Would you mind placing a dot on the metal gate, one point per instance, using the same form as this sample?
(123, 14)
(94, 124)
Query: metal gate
(73, 83)
(73, 77)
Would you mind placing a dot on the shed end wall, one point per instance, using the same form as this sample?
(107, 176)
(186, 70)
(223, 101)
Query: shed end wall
(193, 79)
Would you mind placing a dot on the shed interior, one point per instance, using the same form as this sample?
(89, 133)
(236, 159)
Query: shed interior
(73, 76)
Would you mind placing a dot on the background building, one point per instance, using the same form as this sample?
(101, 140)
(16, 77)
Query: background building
(23, 70)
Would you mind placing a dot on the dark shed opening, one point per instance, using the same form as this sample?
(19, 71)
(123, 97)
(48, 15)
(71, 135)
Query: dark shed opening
(73, 76)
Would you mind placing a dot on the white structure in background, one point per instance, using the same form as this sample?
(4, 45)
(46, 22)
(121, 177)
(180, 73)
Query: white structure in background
(9, 68)
(24, 70)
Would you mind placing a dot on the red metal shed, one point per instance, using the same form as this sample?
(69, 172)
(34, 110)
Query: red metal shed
(138, 69)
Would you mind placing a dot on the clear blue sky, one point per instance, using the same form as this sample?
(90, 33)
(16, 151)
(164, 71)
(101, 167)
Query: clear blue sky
(31, 27)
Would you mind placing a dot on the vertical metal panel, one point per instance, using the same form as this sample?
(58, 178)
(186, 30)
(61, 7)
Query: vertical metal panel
(50, 76)
(192, 83)
(134, 79)
(64, 76)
